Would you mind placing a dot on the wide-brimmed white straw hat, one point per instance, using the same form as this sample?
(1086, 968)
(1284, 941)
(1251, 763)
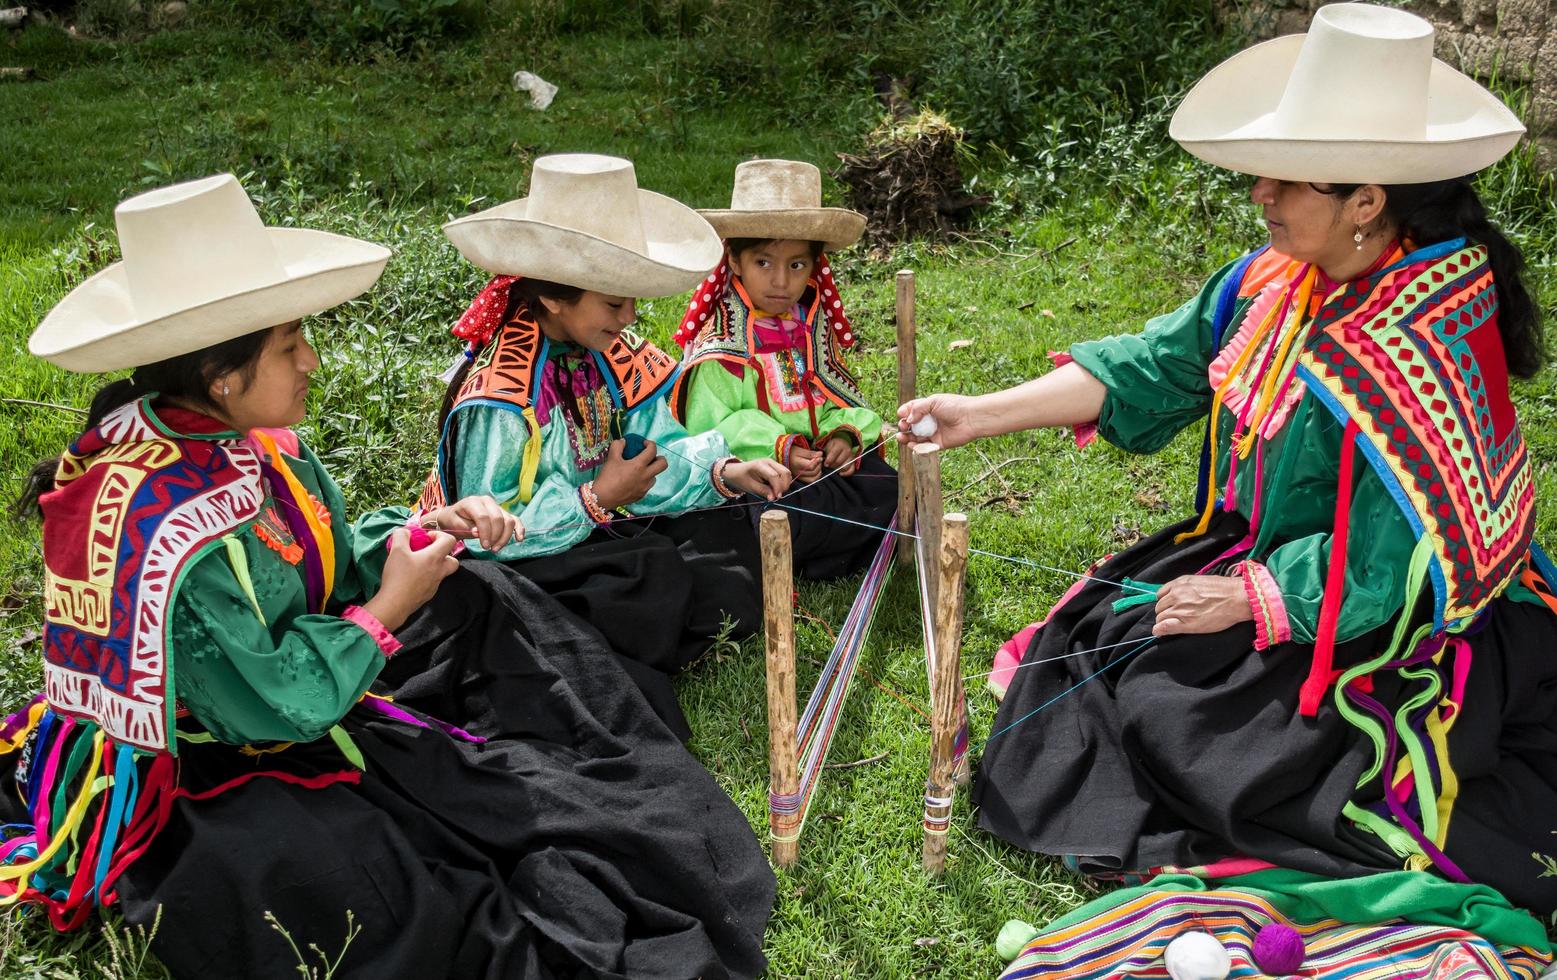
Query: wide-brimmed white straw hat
(587, 224)
(783, 199)
(199, 268)
(1358, 99)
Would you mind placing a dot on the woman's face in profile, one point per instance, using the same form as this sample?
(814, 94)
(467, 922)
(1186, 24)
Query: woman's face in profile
(1306, 221)
(276, 395)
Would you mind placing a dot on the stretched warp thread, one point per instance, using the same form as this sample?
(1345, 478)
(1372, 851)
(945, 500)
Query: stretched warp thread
(819, 720)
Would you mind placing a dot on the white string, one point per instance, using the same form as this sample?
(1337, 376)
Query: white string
(1050, 660)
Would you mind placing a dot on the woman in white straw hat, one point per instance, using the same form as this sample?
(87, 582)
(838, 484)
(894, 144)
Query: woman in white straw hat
(765, 336)
(558, 410)
(1283, 670)
(204, 751)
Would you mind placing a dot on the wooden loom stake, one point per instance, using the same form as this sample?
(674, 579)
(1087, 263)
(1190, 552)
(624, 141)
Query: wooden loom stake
(926, 468)
(950, 568)
(907, 386)
(778, 620)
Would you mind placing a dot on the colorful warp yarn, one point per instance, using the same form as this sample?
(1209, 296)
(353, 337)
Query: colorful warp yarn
(1130, 938)
(719, 323)
(937, 800)
(819, 720)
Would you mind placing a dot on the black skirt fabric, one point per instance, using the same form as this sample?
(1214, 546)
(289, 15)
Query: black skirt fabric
(660, 589)
(825, 548)
(1191, 749)
(579, 840)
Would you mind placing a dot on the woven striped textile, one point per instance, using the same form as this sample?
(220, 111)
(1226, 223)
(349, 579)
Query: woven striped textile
(1128, 940)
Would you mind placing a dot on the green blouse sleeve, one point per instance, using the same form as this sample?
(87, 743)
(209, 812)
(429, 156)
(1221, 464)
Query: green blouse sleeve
(1378, 553)
(1157, 380)
(687, 480)
(283, 677)
(488, 457)
(369, 543)
(860, 425)
(718, 400)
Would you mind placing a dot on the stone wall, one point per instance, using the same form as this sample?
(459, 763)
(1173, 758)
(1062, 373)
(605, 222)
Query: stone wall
(1511, 44)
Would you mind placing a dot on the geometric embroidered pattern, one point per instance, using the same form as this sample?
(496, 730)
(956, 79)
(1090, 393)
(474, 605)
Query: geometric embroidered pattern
(1414, 356)
(727, 337)
(131, 506)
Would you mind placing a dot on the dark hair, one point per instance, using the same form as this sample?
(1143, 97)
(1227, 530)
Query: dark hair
(740, 245)
(187, 377)
(525, 292)
(1431, 213)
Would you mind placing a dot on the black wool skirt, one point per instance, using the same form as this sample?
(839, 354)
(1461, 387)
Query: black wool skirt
(660, 589)
(579, 839)
(1190, 749)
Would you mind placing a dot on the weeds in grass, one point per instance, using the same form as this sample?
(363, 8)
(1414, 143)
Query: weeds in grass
(327, 967)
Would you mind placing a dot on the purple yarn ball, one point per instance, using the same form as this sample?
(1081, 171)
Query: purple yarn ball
(1278, 949)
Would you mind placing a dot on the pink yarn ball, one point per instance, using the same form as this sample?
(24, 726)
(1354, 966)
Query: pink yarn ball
(1278, 949)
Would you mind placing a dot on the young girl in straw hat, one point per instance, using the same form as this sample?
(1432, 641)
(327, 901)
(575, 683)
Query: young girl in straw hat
(765, 337)
(1341, 662)
(203, 752)
(558, 411)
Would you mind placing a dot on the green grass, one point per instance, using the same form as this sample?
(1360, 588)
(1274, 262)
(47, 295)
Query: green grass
(1077, 246)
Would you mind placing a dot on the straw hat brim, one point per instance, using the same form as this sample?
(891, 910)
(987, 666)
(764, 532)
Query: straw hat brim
(1229, 119)
(680, 249)
(835, 228)
(95, 327)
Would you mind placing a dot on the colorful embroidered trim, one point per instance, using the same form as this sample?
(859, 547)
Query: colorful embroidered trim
(597, 513)
(716, 475)
(1271, 626)
(386, 640)
(131, 508)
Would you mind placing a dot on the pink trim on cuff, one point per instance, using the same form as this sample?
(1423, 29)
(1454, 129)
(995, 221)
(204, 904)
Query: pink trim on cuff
(1086, 432)
(386, 640)
(1271, 625)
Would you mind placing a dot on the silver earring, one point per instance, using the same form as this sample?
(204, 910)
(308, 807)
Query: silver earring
(1358, 238)
(227, 391)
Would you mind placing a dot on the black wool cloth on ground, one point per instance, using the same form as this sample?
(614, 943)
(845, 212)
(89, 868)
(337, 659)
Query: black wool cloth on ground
(660, 589)
(1193, 750)
(580, 840)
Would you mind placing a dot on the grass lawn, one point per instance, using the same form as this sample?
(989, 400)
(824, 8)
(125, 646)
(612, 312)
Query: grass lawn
(389, 148)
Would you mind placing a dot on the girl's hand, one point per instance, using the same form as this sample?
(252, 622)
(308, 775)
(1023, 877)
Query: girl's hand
(626, 481)
(1201, 604)
(410, 577)
(493, 526)
(953, 419)
(805, 464)
(764, 478)
(838, 454)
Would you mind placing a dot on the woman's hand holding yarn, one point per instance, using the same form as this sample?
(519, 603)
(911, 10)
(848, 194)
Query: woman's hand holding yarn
(951, 418)
(411, 577)
(624, 481)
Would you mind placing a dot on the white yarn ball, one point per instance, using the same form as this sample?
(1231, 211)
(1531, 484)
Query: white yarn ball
(925, 427)
(1197, 956)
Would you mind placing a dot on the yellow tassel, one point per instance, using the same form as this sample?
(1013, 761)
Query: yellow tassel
(531, 463)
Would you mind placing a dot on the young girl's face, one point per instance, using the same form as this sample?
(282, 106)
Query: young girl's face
(594, 320)
(275, 394)
(774, 272)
